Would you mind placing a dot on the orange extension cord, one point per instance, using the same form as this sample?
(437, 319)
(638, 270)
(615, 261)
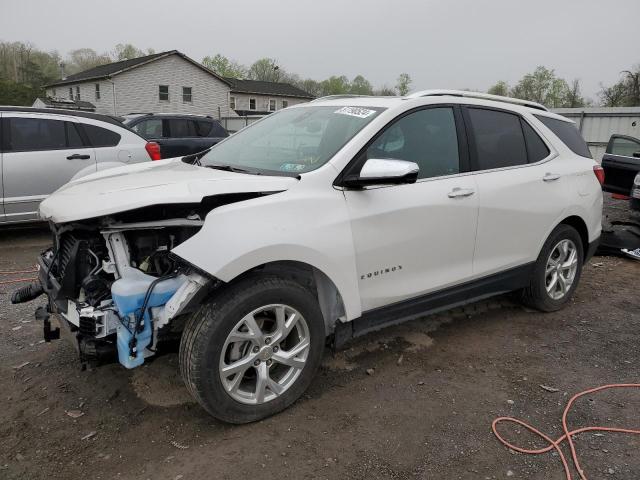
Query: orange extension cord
(18, 272)
(555, 444)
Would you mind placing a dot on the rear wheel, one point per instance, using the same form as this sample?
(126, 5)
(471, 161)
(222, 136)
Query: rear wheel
(557, 270)
(253, 350)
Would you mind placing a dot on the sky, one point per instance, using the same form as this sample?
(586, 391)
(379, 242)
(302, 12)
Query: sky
(440, 43)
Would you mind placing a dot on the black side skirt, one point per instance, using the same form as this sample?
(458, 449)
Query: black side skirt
(371, 320)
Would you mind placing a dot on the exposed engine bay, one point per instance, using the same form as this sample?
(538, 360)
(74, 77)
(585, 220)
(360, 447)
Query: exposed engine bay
(117, 285)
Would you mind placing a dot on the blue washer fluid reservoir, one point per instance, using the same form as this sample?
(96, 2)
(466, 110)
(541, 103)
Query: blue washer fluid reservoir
(128, 294)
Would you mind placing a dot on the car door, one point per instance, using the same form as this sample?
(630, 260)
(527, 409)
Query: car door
(522, 188)
(42, 154)
(621, 163)
(413, 239)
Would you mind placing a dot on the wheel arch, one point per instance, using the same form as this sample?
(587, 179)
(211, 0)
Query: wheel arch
(329, 297)
(580, 225)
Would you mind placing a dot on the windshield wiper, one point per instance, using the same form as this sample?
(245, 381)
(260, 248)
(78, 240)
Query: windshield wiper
(230, 168)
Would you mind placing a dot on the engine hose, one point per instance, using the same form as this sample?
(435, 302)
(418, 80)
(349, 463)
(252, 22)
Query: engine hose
(568, 434)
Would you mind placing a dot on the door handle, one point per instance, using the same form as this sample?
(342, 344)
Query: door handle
(550, 177)
(77, 156)
(461, 192)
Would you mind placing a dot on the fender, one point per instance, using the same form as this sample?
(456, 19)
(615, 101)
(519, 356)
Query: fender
(312, 229)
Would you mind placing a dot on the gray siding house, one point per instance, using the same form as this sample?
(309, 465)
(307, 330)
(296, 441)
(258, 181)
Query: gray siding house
(170, 82)
(254, 97)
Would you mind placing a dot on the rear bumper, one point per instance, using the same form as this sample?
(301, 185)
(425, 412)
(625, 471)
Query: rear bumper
(591, 249)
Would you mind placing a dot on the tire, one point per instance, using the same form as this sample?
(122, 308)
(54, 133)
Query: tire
(205, 349)
(536, 295)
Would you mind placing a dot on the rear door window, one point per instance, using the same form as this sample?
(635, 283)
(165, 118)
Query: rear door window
(181, 127)
(101, 137)
(537, 150)
(568, 133)
(623, 146)
(498, 138)
(33, 134)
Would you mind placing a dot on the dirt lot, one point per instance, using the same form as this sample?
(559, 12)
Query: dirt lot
(424, 411)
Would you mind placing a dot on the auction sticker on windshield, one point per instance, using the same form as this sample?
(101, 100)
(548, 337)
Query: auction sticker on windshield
(355, 112)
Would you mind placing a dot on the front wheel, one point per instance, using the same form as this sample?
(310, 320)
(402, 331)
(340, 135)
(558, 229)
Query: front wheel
(557, 270)
(253, 349)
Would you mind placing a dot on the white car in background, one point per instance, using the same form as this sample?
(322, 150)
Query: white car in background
(42, 149)
(320, 222)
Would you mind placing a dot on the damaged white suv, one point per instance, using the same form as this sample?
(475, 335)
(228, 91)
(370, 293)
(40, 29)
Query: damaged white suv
(317, 224)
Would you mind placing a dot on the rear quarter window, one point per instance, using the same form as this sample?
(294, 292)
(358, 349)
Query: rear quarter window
(101, 137)
(568, 134)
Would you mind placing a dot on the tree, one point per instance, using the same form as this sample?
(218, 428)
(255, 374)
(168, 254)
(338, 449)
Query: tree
(632, 82)
(500, 88)
(403, 83)
(265, 69)
(127, 51)
(613, 96)
(84, 59)
(573, 97)
(542, 86)
(335, 85)
(385, 91)
(361, 86)
(310, 86)
(225, 67)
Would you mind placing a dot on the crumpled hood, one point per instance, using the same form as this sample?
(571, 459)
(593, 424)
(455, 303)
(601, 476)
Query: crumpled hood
(149, 183)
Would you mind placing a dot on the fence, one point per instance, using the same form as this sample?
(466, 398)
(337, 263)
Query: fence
(233, 124)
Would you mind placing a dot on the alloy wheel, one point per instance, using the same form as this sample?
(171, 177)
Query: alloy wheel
(264, 354)
(561, 269)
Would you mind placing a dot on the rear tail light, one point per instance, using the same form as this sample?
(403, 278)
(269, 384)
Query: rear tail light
(599, 172)
(153, 149)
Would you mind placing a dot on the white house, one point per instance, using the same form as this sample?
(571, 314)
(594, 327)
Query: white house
(169, 82)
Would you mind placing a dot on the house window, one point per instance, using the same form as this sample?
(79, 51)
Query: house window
(285, 103)
(232, 103)
(70, 93)
(163, 93)
(97, 91)
(187, 96)
(272, 105)
(252, 104)
(78, 93)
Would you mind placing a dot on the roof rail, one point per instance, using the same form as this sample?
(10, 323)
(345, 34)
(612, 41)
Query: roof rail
(343, 95)
(478, 95)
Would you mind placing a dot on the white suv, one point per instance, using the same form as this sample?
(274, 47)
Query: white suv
(323, 221)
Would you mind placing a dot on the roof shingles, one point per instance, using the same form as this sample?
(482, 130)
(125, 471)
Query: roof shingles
(267, 88)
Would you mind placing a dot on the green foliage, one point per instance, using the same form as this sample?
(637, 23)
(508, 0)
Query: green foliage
(12, 93)
(126, 51)
(265, 69)
(403, 84)
(224, 67)
(500, 88)
(335, 85)
(361, 86)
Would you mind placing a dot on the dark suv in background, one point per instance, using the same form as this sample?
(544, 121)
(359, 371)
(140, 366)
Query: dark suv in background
(177, 134)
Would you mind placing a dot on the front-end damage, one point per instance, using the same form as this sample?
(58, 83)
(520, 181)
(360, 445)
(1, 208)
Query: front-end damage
(116, 286)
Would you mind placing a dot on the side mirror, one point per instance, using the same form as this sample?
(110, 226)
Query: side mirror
(383, 171)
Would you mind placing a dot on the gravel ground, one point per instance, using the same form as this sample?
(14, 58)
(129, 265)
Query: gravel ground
(412, 401)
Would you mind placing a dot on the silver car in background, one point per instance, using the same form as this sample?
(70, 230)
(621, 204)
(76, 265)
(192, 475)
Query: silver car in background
(42, 149)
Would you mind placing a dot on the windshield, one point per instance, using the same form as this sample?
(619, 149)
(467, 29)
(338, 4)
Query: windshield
(295, 140)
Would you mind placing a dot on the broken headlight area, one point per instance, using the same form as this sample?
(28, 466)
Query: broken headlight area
(118, 287)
